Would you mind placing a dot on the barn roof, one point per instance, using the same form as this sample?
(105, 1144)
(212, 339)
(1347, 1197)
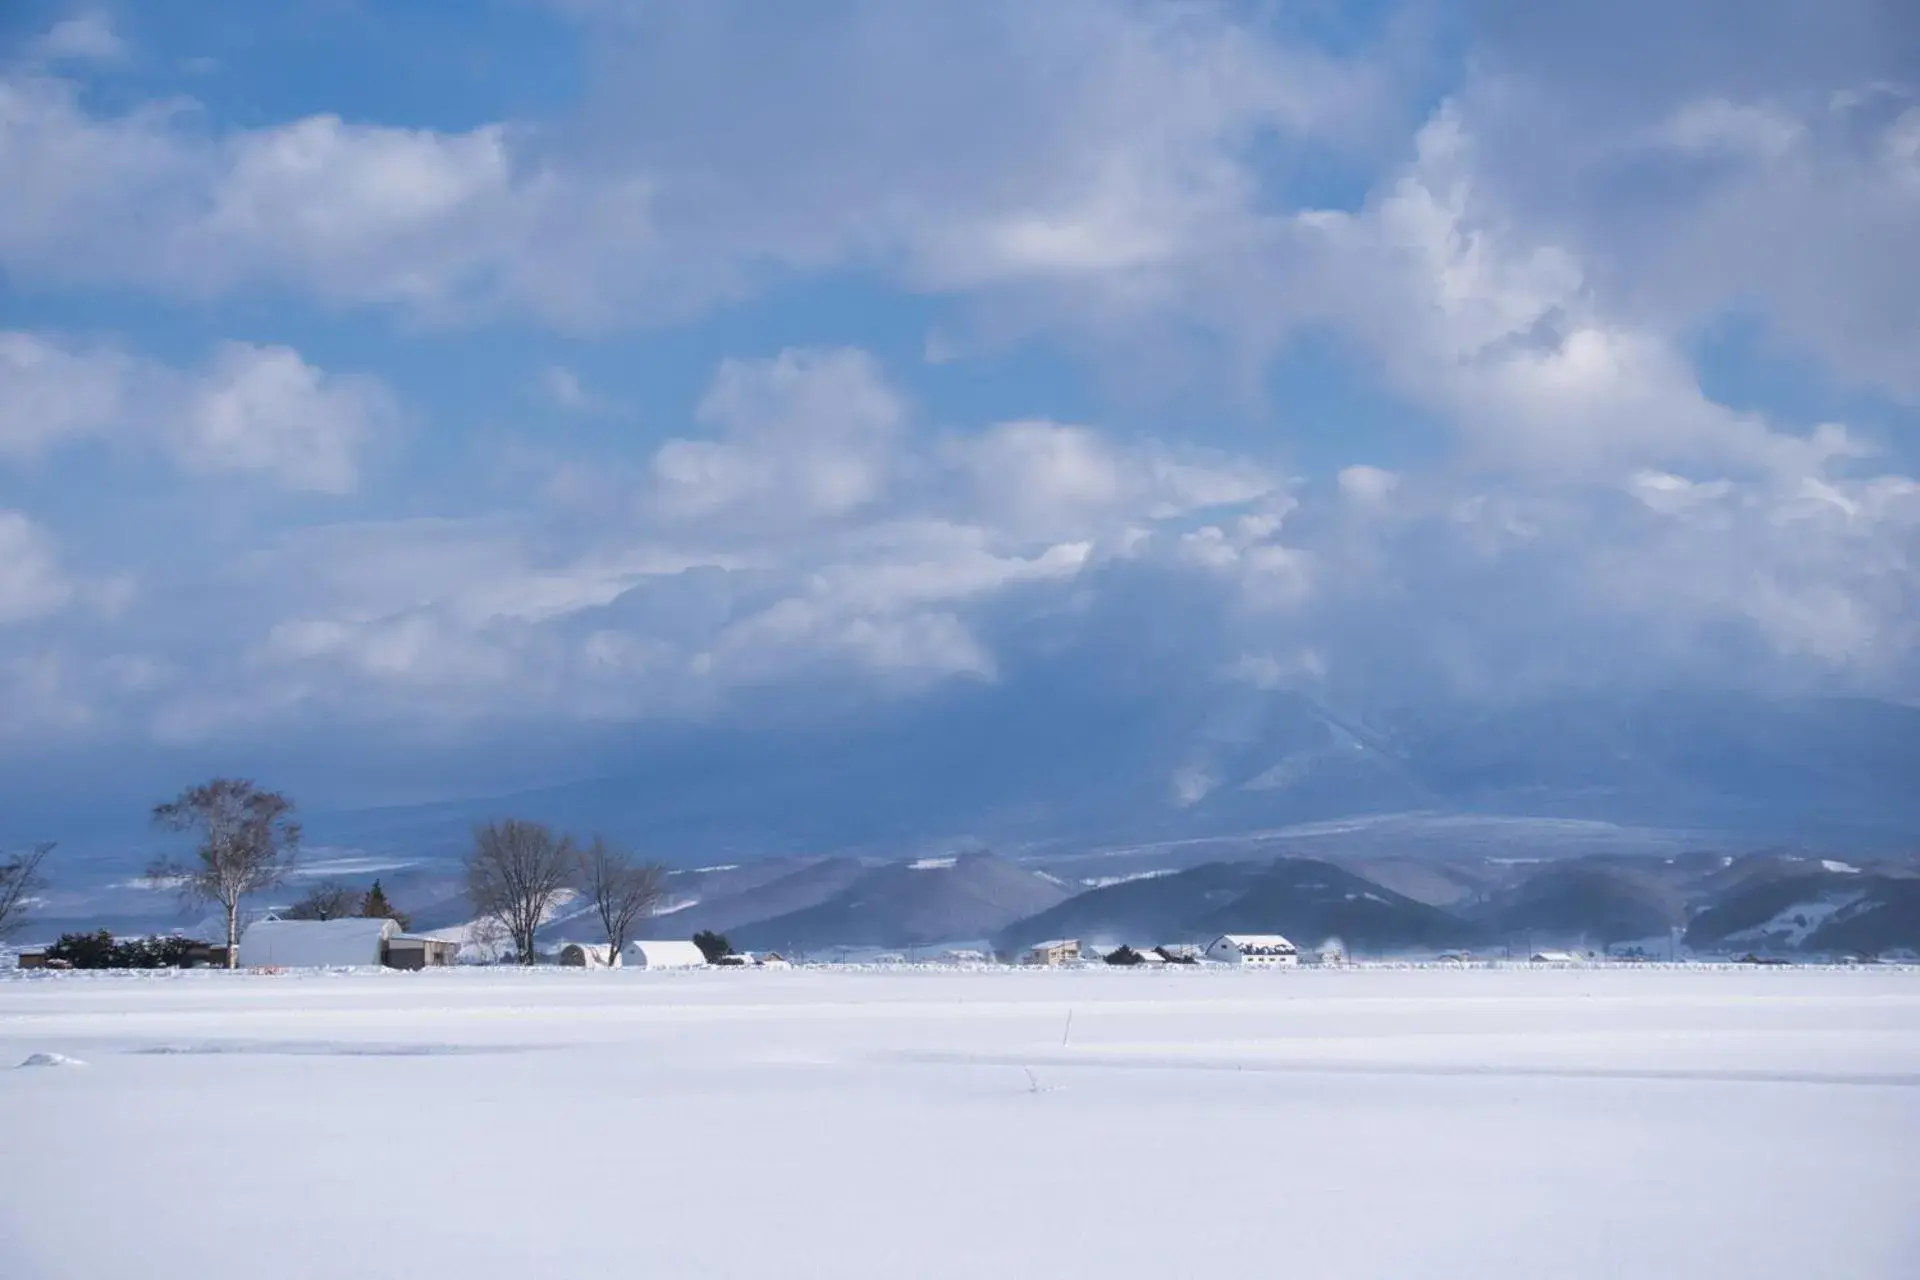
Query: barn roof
(314, 943)
(657, 954)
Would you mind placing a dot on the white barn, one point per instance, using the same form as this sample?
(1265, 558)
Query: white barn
(315, 944)
(662, 955)
(1266, 950)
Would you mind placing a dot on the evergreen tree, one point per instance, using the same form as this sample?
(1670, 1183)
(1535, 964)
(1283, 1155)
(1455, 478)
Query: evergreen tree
(714, 946)
(377, 907)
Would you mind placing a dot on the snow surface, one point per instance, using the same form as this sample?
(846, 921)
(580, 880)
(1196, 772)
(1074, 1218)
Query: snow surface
(1751, 1123)
(1792, 926)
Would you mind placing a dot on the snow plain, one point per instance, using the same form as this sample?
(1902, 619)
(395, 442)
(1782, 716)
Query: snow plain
(847, 1124)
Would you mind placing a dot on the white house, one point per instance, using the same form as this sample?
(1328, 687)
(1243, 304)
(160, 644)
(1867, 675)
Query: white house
(1267, 950)
(315, 944)
(645, 954)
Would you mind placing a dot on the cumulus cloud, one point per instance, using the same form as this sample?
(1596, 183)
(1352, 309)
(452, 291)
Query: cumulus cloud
(824, 532)
(250, 409)
(806, 435)
(32, 584)
(85, 37)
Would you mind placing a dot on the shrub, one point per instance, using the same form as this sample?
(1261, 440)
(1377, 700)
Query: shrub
(102, 950)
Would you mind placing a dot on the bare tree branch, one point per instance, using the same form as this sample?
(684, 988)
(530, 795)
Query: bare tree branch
(515, 875)
(248, 841)
(20, 879)
(621, 890)
(327, 900)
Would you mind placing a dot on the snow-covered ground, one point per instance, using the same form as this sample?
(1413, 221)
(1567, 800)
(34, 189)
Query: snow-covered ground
(1410, 1123)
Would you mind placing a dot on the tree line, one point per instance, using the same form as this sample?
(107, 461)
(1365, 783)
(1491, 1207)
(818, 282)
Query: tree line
(247, 842)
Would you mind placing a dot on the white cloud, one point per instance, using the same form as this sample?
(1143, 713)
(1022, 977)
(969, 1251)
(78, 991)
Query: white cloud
(450, 225)
(31, 582)
(806, 435)
(1367, 486)
(563, 386)
(85, 37)
(1109, 151)
(255, 409)
(50, 393)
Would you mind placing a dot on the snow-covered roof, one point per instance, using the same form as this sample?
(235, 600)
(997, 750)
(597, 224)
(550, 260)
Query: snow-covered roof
(662, 954)
(297, 944)
(1055, 944)
(1255, 942)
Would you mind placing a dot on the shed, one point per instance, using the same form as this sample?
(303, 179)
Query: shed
(1262, 950)
(1554, 957)
(315, 944)
(774, 960)
(646, 954)
(414, 951)
(585, 955)
(34, 958)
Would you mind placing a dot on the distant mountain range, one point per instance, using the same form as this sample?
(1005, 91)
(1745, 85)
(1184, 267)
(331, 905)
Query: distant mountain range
(1702, 902)
(1603, 819)
(1710, 904)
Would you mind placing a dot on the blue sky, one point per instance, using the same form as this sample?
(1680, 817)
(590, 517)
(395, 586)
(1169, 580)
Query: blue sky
(418, 382)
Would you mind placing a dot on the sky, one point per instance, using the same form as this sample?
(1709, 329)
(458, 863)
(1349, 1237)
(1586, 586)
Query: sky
(431, 393)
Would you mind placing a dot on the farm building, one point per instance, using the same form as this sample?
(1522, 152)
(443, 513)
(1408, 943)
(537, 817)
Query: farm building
(1554, 957)
(315, 944)
(411, 951)
(585, 955)
(662, 955)
(1265, 950)
(1058, 951)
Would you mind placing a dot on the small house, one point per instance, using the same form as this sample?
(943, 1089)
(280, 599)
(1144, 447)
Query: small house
(353, 942)
(649, 954)
(1058, 951)
(1259, 950)
(585, 955)
(774, 960)
(1554, 957)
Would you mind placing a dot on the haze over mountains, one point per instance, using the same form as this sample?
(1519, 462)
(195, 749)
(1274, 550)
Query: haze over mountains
(1046, 763)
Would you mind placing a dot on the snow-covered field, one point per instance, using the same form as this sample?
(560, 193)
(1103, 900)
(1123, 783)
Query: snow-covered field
(810, 1123)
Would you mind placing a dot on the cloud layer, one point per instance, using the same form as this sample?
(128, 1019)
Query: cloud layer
(1526, 264)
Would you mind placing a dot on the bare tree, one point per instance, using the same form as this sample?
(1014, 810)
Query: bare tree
(516, 874)
(248, 840)
(19, 880)
(327, 900)
(621, 890)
